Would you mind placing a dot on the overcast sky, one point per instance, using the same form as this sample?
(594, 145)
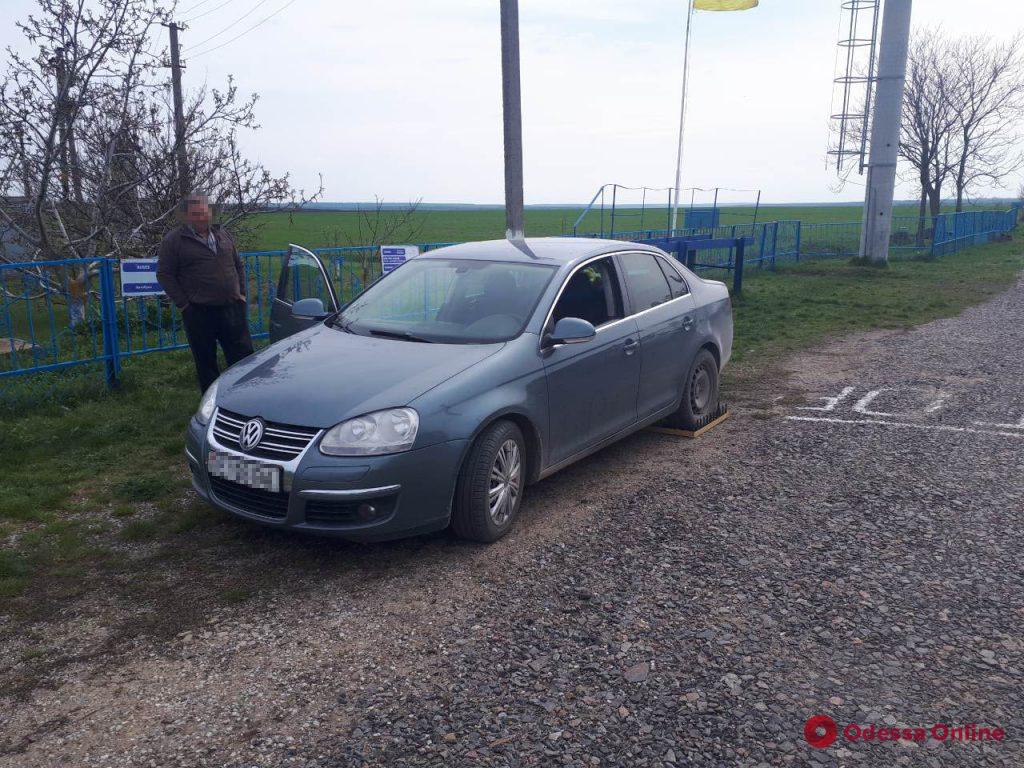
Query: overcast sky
(402, 99)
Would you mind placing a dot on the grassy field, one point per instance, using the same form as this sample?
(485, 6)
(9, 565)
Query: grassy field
(315, 229)
(95, 493)
(46, 321)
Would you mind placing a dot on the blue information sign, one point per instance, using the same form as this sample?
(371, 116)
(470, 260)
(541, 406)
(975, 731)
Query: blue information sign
(138, 278)
(394, 256)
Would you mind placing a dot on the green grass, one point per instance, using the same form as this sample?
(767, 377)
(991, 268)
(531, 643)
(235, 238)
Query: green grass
(90, 476)
(799, 305)
(47, 322)
(315, 229)
(72, 467)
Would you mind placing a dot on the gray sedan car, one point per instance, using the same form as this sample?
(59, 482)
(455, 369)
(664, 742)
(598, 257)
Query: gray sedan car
(445, 388)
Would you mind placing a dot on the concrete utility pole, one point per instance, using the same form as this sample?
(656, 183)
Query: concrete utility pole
(885, 131)
(511, 103)
(184, 186)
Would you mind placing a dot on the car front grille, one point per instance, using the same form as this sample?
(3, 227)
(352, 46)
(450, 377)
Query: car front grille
(280, 441)
(265, 503)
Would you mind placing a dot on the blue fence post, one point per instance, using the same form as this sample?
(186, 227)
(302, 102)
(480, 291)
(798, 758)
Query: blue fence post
(799, 232)
(737, 272)
(108, 318)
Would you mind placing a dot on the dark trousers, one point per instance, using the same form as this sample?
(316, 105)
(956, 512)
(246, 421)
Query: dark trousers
(205, 325)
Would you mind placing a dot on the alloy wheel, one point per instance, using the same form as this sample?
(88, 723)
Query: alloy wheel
(505, 482)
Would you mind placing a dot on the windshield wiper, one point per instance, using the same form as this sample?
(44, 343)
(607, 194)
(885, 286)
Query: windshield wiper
(404, 335)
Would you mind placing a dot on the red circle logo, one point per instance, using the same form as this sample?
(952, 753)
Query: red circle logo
(820, 731)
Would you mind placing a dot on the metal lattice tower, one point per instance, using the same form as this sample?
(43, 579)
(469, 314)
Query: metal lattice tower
(858, 56)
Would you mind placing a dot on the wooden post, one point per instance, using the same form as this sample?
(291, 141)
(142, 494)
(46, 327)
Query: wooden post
(184, 186)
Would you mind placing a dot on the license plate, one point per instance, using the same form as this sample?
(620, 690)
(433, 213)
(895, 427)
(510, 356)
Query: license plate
(254, 474)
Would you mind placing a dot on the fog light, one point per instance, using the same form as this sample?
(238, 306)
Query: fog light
(367, 511)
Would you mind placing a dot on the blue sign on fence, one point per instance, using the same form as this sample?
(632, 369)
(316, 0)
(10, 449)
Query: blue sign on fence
(138, 278)
(394, 256)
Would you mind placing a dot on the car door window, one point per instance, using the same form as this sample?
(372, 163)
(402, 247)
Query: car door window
(592, 294)
(303, 277)
(645, 281)
(675, 281)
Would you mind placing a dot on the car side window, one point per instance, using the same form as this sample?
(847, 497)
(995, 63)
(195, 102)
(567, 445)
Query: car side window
(645, 281)
(675, 280)
(591, 294)
(303, 278)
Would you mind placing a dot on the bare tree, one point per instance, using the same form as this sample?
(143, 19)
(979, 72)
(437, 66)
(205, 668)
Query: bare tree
(962, 110)
(988, 99)
(376, 224)
(86, 137)
(928, 124)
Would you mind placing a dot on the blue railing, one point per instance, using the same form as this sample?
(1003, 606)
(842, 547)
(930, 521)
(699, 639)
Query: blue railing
(63, 313)
(58, 314)
(772, 241)
(954, 231)
(943, 234)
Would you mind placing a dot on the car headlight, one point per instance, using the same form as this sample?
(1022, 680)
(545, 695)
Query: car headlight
(389, 431)
(207, 404)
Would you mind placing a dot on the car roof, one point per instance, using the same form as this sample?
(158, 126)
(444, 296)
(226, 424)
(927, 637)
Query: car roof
(556, 251)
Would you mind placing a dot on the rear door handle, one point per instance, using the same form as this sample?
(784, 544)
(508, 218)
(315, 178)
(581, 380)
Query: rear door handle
(631, 346)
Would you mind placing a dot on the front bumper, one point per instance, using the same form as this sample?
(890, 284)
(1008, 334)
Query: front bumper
(363, 498)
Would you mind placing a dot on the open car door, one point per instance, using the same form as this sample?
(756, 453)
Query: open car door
(305, 294)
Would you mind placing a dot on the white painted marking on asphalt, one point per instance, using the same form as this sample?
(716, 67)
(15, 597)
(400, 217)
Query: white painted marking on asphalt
(1018, 425)
(831, 402)
(861, 406)
(936, 404)
(905, 425)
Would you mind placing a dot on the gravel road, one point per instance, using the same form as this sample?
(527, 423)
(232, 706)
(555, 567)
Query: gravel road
(848, 544)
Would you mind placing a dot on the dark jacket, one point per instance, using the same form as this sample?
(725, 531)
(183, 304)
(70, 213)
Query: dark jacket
(191, 273)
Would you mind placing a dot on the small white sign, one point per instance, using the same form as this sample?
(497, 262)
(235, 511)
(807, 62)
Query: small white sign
(394, 256)
(138, 278)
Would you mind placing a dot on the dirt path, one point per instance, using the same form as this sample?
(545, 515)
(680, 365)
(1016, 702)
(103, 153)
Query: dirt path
(849, 544)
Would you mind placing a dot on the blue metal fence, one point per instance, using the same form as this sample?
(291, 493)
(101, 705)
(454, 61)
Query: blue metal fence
(943, 234)
(772, 241)
(954, 231)
(59, 314)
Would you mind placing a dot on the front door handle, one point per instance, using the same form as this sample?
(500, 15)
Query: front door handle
(631, 346)
(687, 322)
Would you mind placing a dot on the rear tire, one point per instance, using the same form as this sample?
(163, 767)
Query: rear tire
(489, 491)
(700, 394)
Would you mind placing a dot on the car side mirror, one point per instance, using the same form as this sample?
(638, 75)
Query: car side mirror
(309, 309)
(572, 330)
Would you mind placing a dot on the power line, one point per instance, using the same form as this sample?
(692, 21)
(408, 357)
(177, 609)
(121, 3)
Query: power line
(207, 13)
(243, 34)
(230, 26)
(193, 7)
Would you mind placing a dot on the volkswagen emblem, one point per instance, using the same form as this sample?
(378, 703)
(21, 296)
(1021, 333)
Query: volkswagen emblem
(251, 434)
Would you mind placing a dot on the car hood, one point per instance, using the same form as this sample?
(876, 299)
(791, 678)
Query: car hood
(322, 376)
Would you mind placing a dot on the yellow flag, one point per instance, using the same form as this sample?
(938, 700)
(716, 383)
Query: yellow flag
(723, 5)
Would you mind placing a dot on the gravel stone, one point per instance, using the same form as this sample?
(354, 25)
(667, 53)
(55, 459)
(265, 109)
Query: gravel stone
(664, 602)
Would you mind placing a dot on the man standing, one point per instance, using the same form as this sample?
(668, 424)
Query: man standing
(201, 271)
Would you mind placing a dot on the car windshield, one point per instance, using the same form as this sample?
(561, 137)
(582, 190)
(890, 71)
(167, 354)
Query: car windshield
(453, 301)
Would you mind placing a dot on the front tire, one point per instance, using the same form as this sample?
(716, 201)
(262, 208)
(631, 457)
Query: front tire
(489, 490)
(700, 394)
